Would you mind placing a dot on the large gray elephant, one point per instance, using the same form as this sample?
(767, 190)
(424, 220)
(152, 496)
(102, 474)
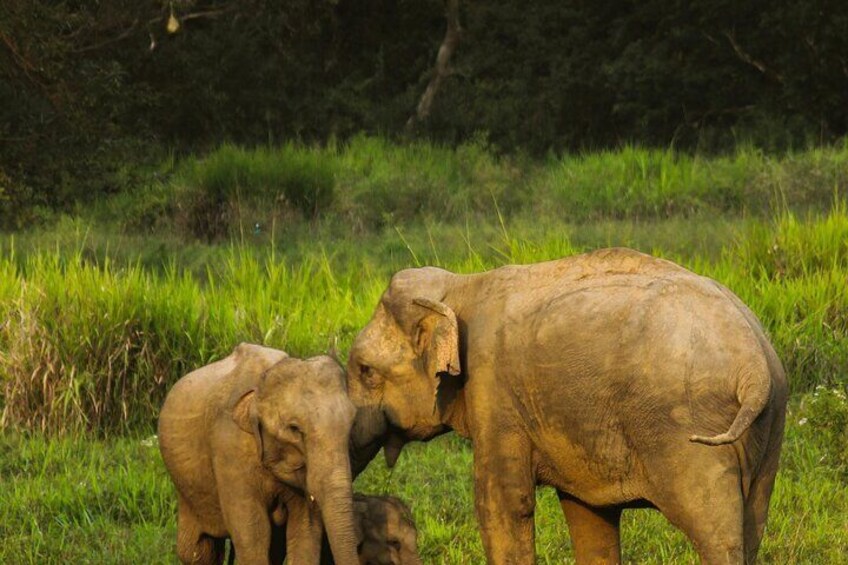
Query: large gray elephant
(257, 446)
(620, 379)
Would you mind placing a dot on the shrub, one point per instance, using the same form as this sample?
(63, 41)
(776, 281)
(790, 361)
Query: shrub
(216, 189)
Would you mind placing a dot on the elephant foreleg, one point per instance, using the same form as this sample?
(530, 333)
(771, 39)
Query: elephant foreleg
(246, 518)
(505, 498)
(250, 530)
(304, 529)
(594, 531)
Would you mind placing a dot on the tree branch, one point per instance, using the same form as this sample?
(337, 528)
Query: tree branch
(442, 70)
(123, 35)
(30, 71)
(135, 27)
(747, 58)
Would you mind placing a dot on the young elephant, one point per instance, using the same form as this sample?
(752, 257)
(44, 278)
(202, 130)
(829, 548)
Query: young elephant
(257, 446)
(386, 530)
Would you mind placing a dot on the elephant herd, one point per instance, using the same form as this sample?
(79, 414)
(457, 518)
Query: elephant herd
(619, 379)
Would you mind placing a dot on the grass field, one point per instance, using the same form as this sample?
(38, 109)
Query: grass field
(102, 311)
(82, 500)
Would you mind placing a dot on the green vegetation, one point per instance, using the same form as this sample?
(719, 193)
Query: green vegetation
(102, 311)
(94, 92)
(367, 185)
(82, 500)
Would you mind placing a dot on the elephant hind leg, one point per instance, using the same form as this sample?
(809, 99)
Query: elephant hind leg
(757, 503)
(193, 545)
(708, 506)
(594, 531)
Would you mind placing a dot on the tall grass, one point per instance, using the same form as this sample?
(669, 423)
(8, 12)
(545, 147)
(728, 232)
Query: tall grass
(95, 346)
(212, 192)
(369, 183)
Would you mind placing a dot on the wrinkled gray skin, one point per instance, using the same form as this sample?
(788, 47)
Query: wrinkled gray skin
(257, 446)
(619, 379)
(385, 530)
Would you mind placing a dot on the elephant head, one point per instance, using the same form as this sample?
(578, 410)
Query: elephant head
(404, 368)
(300, 418)
(388, 533)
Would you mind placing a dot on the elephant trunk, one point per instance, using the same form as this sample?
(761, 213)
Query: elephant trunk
(367, 437)
(333, 491)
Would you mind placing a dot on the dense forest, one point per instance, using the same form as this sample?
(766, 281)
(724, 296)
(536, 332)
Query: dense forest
(92, 89)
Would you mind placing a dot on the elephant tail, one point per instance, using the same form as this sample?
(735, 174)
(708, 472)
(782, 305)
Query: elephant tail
(754, 391)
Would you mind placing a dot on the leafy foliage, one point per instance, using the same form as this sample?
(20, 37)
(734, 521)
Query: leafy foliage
(93, 91)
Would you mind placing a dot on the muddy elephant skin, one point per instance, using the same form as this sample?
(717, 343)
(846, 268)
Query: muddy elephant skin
(619, 379)
(257, 446)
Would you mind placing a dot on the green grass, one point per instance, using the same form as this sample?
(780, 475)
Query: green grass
(78, 501)
(84, 500)
(368, 184)
(91, 345)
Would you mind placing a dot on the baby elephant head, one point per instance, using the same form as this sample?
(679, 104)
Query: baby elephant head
(387, 531)
(300, 418)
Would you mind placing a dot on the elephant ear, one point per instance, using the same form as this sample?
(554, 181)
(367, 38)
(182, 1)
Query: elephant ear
(246, 417)
(437, 338)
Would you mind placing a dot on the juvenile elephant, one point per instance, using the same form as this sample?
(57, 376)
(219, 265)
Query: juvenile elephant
(257, 446)
(620, 379)
(385, 530)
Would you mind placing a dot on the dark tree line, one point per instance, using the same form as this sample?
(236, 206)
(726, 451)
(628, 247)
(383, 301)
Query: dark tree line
(87, 87)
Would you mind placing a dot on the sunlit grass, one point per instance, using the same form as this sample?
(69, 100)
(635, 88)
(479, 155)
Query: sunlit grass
(86, 500)
(94, 345)
(370, 183)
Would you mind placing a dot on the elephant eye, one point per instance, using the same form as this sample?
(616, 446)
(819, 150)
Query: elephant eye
(394, 544)
(369, 377)
(294, 428)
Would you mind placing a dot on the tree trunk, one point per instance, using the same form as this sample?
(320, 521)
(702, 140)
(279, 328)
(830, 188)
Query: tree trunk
(442, 70)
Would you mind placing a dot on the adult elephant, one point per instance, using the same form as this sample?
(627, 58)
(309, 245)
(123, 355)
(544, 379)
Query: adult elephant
(620, 379)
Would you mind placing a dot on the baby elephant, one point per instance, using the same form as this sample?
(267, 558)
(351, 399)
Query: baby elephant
(386, 531)
(257, 446)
